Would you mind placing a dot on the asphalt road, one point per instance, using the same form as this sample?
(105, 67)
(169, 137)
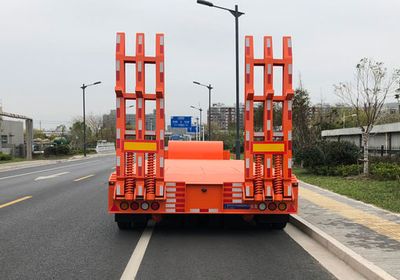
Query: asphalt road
(61, 230)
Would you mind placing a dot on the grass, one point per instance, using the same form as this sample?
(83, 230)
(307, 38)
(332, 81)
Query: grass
(16, 159)
(384, 194)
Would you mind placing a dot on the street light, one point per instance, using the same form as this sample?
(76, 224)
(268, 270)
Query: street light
(201, 113)
(236, 14)
(209, 106)
(397, 96)
(344, 118)
(83, 87)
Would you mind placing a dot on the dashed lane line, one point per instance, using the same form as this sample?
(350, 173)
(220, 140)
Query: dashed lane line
(133, 265)
(44, 170)
(15, 201)
(83, 178)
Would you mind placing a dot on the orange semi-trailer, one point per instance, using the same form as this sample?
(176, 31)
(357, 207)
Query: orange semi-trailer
(196, 177)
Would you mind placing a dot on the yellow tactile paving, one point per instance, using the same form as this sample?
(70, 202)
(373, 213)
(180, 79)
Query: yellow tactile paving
(381, 226)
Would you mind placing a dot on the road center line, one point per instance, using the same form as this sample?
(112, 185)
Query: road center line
(15, 201)
(132, 267)
(44, 170)
(83, 178)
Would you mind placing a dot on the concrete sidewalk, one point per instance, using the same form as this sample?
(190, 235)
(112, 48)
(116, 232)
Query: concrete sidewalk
(34, 163)
(371, 232)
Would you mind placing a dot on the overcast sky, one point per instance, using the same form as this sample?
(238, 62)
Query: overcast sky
(49, 48)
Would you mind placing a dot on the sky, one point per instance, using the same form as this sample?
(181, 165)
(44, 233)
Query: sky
(48, 49)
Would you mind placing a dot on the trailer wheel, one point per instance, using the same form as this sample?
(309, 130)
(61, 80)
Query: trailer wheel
(125, 225)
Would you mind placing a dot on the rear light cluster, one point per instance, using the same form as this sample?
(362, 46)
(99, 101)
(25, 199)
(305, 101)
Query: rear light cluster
(272, 206)
(124, 205)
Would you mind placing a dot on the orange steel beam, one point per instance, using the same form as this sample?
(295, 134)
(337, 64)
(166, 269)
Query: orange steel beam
(140, 164)
(268, 172)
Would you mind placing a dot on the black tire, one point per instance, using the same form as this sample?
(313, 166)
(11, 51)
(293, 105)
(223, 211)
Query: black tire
(125, 225)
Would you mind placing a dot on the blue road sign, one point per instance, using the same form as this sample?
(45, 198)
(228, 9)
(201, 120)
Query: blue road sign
(181, 121)
(193, 129)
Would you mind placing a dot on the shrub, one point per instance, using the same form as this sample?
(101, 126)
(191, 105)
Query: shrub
(385, 171)
(57, 150)
(5, 156)
(348, 170)
(328, 153)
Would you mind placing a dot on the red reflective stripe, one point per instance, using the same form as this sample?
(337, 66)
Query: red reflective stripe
(117, 76)
(227, 200)
(139, 76)
(203, 210)
(180, 189)
(162, 77)
(118, 170)
(140, 171)
(179, 194)
(180, 205)
(290, 115)
(118, 112)
(229, 189)
(118, 143)
(180, 200)
(161, 49)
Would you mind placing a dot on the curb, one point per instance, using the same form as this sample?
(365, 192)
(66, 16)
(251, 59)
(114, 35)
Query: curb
(354, 260)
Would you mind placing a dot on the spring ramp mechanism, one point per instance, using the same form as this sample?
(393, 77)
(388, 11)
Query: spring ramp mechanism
(150, 176)
(258, 178)
(130, 180)
(277, 179)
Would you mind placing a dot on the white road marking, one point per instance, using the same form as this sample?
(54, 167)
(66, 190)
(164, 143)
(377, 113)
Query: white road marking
(44, 170)
(51, 176)
(83, 178)
(132, 267)
(333, 264)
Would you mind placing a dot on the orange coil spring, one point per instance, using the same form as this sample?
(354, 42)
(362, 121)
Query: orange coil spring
(150, 176)
(130, 181)
(278, 184)
(258, 178)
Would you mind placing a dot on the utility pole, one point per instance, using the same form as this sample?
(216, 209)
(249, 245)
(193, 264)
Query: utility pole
(83, 87)
(236, 14)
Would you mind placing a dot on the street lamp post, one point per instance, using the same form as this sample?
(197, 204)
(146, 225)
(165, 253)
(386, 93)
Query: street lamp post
(201, 113)
(344, 118)
(397, 96)
(209, 107)
(83, 87)
(236, 14)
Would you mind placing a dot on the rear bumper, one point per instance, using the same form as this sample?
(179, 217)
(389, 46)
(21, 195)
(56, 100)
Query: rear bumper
(201, 199)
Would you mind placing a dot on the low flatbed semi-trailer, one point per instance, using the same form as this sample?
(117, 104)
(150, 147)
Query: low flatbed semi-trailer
(198, 177)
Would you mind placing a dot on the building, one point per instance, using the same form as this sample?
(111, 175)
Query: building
(385, 136)
(224, 117)
(110, 119)
(12, 137)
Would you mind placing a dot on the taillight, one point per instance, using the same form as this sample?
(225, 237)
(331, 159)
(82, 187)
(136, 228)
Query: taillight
(155, 206)
(145, 205)
(134, 205)
(272, 206)
(124, 205)
(262, 206)
(282, 206)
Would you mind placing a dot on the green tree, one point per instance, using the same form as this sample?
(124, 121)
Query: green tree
(372, 84)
